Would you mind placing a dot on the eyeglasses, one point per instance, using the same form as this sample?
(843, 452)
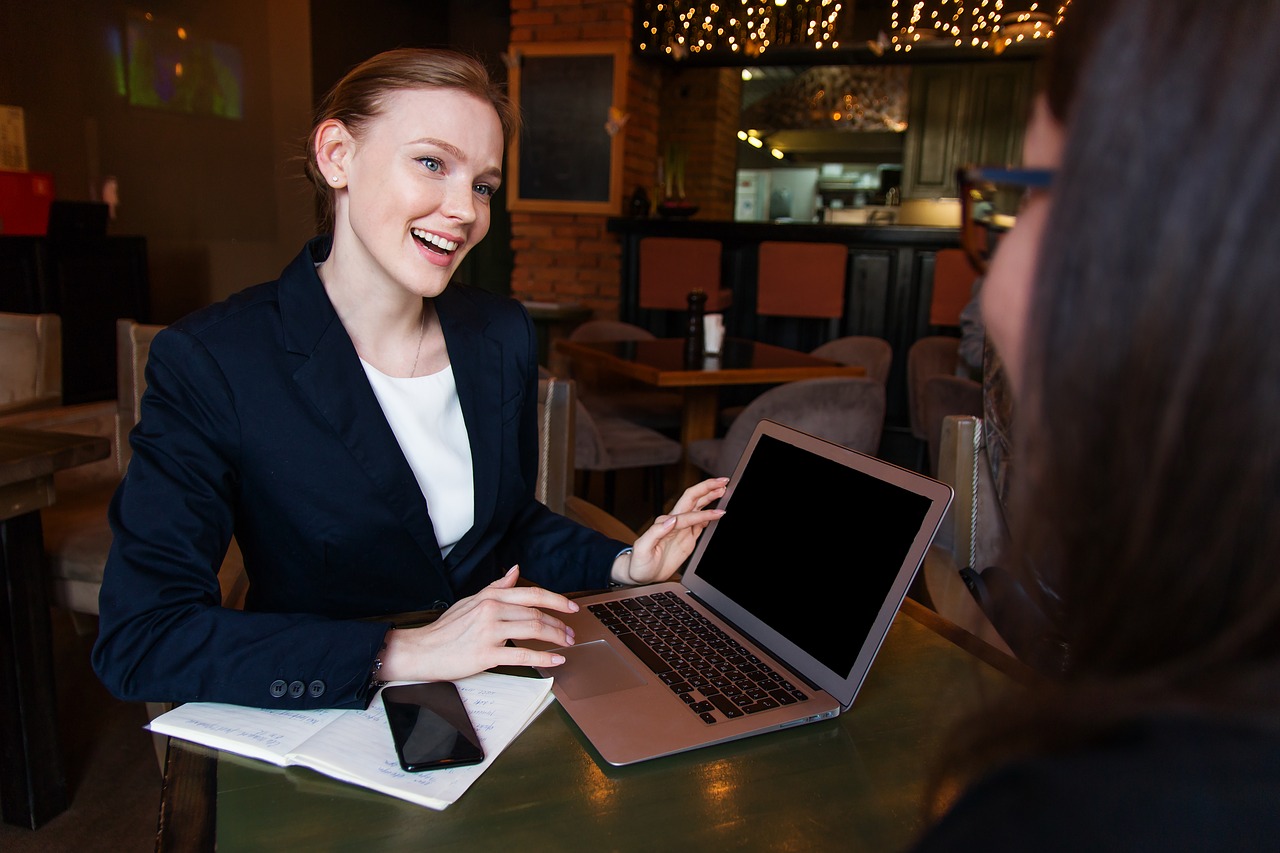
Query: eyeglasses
(990, 199)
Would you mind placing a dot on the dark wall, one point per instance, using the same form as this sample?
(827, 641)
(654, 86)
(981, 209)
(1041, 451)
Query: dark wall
(209, 194)
(340, 40)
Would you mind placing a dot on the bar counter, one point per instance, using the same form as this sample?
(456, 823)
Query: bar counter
(889, 284)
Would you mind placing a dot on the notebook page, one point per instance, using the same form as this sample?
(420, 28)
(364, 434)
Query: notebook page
(267, 735)
(500, 707)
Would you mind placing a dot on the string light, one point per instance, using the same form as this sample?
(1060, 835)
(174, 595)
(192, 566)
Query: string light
(985, 24)
(678, 28)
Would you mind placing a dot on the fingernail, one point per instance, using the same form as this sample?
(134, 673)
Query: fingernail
(573, 607)
(670, 521)
(511, 570)
(556, 660)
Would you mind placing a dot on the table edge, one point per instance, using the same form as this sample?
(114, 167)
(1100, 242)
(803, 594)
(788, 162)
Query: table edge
(191, 771)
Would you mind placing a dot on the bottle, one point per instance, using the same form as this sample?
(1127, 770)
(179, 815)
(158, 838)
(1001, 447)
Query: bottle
(693, 339)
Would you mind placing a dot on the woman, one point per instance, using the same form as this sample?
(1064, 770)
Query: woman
(1135, 305)
(366, 431)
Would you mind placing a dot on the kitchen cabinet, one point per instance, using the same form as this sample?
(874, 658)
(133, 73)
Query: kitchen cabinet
(970, 113)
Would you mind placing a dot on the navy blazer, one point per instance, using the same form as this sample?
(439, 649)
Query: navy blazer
(259, 421)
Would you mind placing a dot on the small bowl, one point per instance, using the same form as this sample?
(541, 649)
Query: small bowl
(676, 209)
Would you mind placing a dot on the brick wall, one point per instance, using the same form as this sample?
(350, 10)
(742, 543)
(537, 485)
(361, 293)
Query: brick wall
(571, 257)
(699, 113)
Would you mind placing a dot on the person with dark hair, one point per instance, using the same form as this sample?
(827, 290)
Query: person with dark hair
(367, 432)
(1134, 303)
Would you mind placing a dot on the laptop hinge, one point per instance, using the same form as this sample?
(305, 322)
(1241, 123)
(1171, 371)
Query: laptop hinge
(781, 664)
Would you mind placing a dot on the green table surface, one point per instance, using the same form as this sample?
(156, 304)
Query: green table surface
(854, 783)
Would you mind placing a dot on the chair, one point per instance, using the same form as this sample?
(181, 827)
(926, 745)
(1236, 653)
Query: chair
(556, 457)
(618, 396)
(973, 532)
(934, 391)
(30, 361)
(875, 354)
(556, 411)
(610, 330)
(847, 411)
(76, 534)
(609, 443)
(801, 281)
(953, 278)
(671, 267)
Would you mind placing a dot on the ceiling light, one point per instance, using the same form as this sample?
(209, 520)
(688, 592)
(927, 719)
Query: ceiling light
(971, 23)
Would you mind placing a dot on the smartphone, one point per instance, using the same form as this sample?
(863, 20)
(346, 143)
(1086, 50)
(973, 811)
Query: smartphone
(430, 726)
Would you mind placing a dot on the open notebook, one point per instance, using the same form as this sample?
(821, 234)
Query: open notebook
(775, 623)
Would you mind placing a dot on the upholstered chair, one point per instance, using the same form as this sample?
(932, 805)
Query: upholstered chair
(847, 411)
(30, 361)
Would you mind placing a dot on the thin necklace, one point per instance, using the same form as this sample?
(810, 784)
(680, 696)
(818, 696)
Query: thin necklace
(422, 331)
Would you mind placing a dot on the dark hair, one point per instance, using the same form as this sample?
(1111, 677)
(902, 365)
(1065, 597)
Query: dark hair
(359, 95)
(1147, 494)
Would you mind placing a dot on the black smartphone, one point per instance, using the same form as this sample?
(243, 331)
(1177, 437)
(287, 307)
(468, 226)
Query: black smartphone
(430, 726)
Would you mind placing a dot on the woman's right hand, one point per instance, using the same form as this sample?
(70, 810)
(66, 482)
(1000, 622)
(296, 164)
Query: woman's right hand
(472, 635)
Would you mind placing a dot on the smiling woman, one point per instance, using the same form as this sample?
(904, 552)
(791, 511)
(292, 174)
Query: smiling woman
(367, 432)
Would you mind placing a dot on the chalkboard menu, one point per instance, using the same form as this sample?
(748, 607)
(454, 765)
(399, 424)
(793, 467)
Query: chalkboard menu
(570, 95)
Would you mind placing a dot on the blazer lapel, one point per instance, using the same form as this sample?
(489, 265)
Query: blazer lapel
(477, 370)
(333, 380)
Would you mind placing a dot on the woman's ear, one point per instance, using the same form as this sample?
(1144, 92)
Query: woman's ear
(333, 146)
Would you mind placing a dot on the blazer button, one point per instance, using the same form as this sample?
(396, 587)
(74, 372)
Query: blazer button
(295, 689)
(316, 689)
(440, 605)
(278, 688)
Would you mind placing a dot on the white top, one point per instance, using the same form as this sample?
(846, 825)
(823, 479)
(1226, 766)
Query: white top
(426, 417)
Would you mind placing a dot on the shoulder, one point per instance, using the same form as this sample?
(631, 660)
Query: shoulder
(1170, 784)
(246, 318)
(479, 303)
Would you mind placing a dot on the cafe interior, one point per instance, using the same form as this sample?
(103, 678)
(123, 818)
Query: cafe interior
(713, 215)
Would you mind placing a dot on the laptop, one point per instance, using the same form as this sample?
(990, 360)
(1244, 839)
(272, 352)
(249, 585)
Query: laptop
(778, 616)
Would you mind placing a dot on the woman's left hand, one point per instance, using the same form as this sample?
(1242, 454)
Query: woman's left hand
(665, 546)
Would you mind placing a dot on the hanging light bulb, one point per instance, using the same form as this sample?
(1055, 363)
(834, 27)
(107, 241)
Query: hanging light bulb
(970, 23)
(751, 27)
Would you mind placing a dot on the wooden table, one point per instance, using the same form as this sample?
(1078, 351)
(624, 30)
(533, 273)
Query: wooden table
(661, 363)
(854, 783)
(33, 787)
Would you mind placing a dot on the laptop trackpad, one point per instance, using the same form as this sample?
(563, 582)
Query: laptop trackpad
(593, 669)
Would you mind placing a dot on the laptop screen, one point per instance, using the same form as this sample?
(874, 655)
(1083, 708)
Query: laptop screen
(812, 547)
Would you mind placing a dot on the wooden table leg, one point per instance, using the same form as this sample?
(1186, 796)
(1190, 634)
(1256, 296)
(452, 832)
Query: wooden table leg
(698, 421)
(33, 786)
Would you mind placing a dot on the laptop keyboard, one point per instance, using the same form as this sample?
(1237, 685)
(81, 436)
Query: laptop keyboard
(716, 676)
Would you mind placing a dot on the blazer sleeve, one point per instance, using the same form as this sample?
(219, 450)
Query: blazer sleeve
(163, 634)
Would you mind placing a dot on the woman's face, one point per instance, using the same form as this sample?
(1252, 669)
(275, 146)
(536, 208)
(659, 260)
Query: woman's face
(418, 183)
(1006, 291)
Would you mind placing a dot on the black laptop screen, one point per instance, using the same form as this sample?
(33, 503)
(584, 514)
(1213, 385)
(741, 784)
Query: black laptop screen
(812, 548)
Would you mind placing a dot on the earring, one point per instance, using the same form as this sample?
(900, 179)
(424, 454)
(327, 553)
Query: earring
(334, 179)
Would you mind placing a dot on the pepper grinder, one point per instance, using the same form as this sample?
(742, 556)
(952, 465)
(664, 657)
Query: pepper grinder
(693, 339)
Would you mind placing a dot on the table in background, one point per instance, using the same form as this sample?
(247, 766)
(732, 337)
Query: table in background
(33, 787)
(855, 782)
(661, 363)
(554, 321)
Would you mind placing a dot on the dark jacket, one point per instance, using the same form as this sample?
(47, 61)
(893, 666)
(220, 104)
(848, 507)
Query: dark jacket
(1167, 783)
(259, 421)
